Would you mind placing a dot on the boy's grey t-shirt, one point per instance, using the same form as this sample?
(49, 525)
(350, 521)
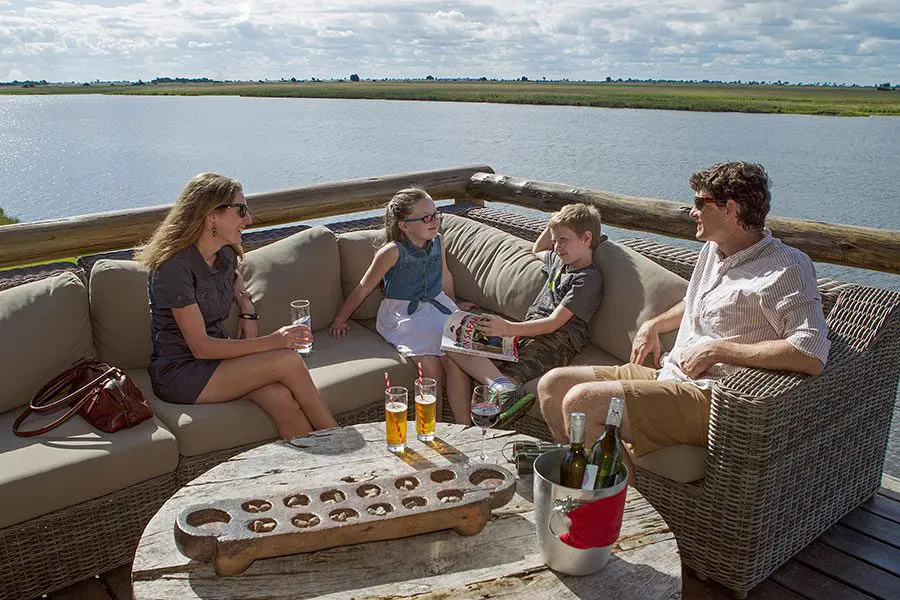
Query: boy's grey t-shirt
(579, 290)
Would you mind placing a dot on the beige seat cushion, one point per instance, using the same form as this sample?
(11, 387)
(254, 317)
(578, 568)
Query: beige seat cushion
(76, 463)
(681, 463)
(635, 289)
(491, 268)
(120, 314)
(348, 372)
(44, 328)
(357, 249)
(304, 266)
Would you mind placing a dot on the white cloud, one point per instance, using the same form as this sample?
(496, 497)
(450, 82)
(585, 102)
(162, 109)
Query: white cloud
(809, 40)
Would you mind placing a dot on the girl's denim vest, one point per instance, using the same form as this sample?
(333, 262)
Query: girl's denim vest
(417, 276)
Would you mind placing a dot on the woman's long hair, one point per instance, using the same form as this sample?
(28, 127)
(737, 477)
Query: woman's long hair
(399, 208)
(184, 223)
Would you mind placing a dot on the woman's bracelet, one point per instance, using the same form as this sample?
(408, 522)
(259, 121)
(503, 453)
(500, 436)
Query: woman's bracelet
(249, 316)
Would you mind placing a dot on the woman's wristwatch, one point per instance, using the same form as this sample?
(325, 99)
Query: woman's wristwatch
(248, 316)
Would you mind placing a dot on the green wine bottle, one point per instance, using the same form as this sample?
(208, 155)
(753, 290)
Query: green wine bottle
(571, 470)
(606, 454)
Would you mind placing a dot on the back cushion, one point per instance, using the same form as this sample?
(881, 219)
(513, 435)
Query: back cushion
(44, 327)
(493, 269)
(120, 313)
(634, 289)
(357, 249)
(304, 266)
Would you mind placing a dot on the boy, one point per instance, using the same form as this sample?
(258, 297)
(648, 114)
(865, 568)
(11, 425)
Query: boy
(557, 324)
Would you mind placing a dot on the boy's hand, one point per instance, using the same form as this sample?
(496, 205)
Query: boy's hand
(339, 330)
(466, 305)
(494, 325)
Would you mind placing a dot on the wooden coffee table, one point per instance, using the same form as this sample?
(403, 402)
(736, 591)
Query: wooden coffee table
(501, 561)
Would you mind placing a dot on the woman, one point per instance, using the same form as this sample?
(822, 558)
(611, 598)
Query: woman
(192, 258)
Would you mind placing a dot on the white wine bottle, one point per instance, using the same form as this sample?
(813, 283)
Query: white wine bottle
(606, 454)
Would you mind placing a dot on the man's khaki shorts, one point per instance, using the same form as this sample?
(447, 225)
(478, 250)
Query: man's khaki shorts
(660, 413)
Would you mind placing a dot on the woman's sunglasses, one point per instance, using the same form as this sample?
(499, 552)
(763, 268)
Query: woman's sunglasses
(242, 209)
(425, 218)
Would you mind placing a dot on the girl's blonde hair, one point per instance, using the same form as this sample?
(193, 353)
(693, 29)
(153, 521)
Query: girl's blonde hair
(399, 208)
(184, 223)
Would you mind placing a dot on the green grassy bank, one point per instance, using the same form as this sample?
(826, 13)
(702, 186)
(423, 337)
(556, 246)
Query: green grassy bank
(710, 97)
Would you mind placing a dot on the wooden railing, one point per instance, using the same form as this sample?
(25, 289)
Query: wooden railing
(26, 243)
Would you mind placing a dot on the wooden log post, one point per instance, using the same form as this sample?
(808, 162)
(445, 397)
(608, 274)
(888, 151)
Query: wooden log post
(863, 247)
(25, 243)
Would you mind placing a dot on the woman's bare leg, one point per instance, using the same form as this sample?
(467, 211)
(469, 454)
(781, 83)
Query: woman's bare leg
(237, 377)
(279, 403)
(459, 391)
(479, 368)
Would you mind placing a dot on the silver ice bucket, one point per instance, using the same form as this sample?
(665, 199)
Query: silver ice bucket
(552, 502)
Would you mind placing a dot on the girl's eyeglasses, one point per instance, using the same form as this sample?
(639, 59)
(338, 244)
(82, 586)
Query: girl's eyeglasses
(425, 218)
(242, 209)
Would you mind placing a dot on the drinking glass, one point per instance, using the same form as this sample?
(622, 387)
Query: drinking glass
(300, 316)
(426, 405)
(485, 412)
(395, 405)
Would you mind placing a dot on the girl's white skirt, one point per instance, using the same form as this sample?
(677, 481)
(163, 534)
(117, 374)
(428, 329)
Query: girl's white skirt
(418, 334)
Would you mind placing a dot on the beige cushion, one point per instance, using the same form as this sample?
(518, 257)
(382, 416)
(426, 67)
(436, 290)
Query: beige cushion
(634, 289)
(205, 428)
(348, 372)
(304, 266)
(357, 249)
(493, 269)
(44, 328)
(120, 313)
(681, 463)
(76, 463)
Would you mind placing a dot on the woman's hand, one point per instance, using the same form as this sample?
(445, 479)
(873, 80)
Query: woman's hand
(247, 328)
(466, 305)
(339, 329)
(646, 342)
(292, 336)
(494, 325)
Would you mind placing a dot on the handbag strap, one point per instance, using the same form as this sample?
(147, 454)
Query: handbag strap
(40, 403)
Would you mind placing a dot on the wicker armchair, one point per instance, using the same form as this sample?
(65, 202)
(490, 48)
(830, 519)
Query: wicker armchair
(789, 455)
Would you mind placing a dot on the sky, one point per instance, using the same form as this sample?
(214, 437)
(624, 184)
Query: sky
(839, 41)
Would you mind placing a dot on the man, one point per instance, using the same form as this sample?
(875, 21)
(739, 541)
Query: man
(752, 302)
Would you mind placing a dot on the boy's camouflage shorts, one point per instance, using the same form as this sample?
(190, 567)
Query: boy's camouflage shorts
(539, 354)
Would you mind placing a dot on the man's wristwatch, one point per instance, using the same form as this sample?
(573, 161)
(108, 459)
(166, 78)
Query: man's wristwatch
(249, 316)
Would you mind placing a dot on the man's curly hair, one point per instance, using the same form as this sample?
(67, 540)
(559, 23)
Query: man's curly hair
(745, 183)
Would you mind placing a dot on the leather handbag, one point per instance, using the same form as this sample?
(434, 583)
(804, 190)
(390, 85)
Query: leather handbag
(103, 395)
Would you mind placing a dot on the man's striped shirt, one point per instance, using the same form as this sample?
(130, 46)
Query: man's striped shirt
(764, 292)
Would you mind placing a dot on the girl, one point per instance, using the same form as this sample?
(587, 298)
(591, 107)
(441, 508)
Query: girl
(418, 290)
(193, 280)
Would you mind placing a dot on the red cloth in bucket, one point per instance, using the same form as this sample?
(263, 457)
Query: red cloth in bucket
(596, 524)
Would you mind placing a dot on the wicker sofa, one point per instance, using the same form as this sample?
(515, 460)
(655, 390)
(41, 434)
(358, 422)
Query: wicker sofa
(738, 510)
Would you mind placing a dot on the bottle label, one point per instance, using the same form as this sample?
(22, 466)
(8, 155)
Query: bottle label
(614, 415)
(590, 477)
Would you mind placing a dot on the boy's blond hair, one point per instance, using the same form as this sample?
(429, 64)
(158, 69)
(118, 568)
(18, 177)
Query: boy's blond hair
(579, 218)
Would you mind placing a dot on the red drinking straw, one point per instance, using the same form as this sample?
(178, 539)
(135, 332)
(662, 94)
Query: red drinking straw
(421, 384)
(387, 382)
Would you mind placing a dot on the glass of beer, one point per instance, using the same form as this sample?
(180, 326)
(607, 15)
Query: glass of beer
(300, 316)
(395, 405)
(426, 405)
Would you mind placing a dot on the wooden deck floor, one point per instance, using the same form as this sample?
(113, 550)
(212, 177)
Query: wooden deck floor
(857, 559)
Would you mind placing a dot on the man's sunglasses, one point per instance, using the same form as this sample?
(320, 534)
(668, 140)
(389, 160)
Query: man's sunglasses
(425, 219)
(242, 209)
(699, 201)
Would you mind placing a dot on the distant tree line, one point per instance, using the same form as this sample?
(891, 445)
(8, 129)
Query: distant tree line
(4, 220)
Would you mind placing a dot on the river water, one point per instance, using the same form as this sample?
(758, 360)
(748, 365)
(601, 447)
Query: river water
(71, 155)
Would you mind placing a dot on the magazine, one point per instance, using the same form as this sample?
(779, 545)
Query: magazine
(461, 335)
